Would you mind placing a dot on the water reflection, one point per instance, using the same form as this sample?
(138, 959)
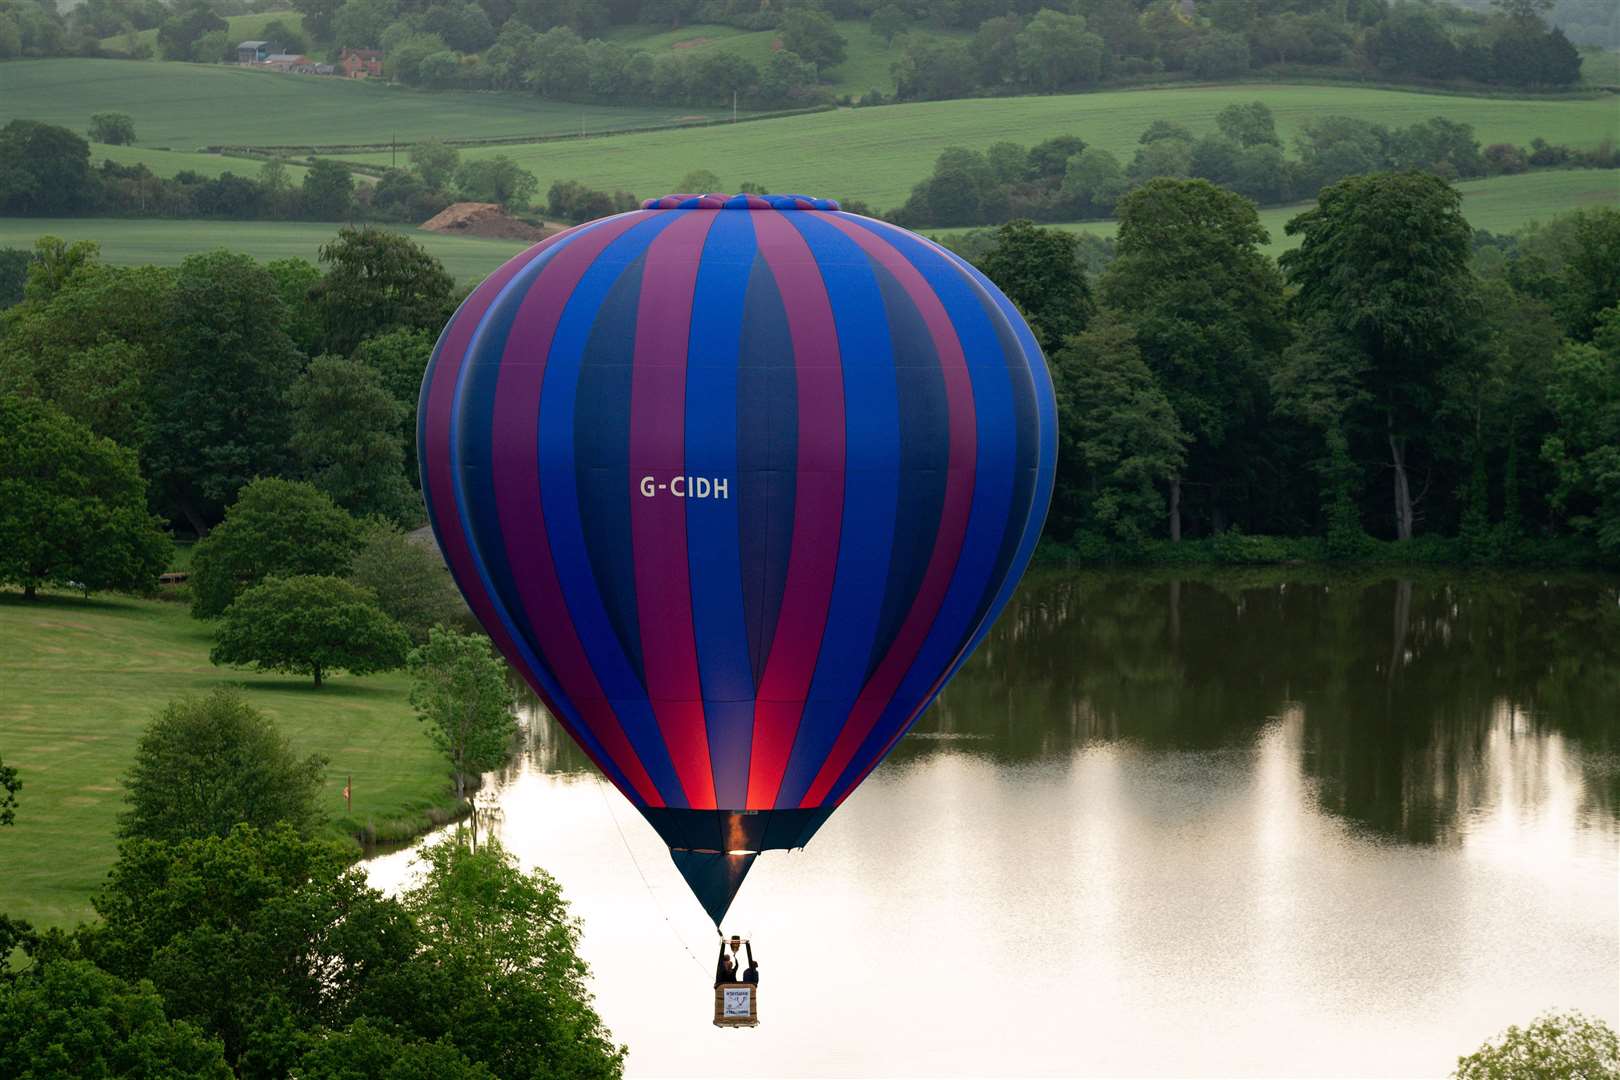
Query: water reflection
(1417, 698)
(1271, 823)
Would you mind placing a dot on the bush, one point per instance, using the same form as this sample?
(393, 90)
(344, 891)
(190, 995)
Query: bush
(115, 129)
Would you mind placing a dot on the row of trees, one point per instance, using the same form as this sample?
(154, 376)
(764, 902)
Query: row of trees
(1381, 380)
(49, 173)
(1064, 179)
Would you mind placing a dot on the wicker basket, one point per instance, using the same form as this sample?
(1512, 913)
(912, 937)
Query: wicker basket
(736, 1005)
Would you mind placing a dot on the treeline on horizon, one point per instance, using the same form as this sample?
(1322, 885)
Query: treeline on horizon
(1422, 382)
(940, 48)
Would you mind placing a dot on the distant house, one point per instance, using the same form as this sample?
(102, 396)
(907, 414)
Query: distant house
(361, 63)
(255, 52)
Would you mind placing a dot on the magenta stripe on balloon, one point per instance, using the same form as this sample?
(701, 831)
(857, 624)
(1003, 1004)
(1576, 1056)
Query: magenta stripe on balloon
(818, 508)
(960, 473)
(516, 467)
(658, 520)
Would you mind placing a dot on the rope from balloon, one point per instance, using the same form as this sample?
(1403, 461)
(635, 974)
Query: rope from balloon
(650, 893)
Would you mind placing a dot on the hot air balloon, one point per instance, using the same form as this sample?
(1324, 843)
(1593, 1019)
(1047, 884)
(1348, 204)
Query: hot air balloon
(736, 483)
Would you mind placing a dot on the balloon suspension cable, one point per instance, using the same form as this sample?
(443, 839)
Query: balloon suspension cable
(608, 805)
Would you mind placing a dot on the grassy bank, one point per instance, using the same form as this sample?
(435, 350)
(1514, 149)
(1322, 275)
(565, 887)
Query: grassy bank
(82, 678)
(877, 154)
(156, 242)
(186, 106)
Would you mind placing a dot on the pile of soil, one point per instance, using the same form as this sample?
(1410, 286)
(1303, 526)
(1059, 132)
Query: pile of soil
(483, 219)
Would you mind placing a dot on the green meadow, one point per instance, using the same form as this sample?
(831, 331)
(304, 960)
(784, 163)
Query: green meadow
(169, 162)
(83, 677)
(160, 242)
(187, 106)
(878, 154)
(1500, 204)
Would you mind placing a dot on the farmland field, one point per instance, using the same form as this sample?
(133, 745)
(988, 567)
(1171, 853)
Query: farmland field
(83, 677)
(187, 106)
(168, 162)
(159, 242)
(1500, 204)
(877, 154)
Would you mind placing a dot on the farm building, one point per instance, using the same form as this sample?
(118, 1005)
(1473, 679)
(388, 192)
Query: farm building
(361, 63)
(255, 52)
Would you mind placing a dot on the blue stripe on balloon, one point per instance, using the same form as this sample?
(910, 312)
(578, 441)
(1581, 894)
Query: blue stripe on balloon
(992, 490)
(559, 490)
(767, 423)
(602, 457)
(719, 623)
(470, 446)
(871, 492)
(924, 454)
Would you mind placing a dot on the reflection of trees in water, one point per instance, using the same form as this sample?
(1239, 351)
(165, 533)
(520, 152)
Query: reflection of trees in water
(1420, 697)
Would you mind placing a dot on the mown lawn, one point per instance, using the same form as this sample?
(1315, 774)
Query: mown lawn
(878, 154)
(151, 241)
(1500, 204)
(187, 106)
(80, 680)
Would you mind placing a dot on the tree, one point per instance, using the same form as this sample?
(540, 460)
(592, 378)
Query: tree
(811, 34)
(1055, 50)
(44, 170)
(13, 275)
(459, 689)
(69, 1018)
(275, 528)
(408, 576)
(400, 359)
(699, 181)
(1119, 437)
(1583, 388)
(205, 765)
(113, 128)
(378, 281)
(1095, 180)
(786, 75)
(291, 40)
(1205, 303)
(504, 952)
(434, 162)
(497, 179)
(1220, 55)
(309, 624)
(1248, 125)
(1039, 269)
(887, 21)
(345, 435)
(1383, 259)
(328, 191)
(179, 34)
(1554, 1045)
(217, 401)
(1049, 159)
(72, 506)
(376, 1048)
(9, 786)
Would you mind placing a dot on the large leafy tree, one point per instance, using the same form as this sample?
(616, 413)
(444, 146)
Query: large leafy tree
(1041, 271)
(1206, 306)
(1583, 387)
(44, 170)
(346, 437)
(205, 765)
(810, 34)
(409, 578)
(309, 625)
(1554, 1044)
(400, 359)
(507, 980)
(69, 1018)
(275, 527)
(1119, 437)
(72, 506)
(378, 281)
(1383, 259)
(217, 401)
(459, 690)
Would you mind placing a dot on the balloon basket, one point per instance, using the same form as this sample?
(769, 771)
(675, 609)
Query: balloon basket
(736, 1005)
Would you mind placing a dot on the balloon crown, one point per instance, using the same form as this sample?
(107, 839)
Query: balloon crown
(717, 201)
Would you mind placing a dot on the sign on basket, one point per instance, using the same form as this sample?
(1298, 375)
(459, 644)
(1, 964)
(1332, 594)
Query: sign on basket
(738, 1002)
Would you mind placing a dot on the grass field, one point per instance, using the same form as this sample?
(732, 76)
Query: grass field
(865, 66)
(237, 28)
(187, 106)
(1600, 67)
(83, 677)
(1500, 204)
(877, 154)
(168, 162)
(165, 243)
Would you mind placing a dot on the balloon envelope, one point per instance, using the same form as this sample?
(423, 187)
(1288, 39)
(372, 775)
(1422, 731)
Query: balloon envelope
(736, 483)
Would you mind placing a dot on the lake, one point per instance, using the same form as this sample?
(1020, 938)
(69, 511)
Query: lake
(1282, 822)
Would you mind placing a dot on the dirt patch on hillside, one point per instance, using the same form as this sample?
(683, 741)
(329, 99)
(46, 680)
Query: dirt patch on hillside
(483, 219)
